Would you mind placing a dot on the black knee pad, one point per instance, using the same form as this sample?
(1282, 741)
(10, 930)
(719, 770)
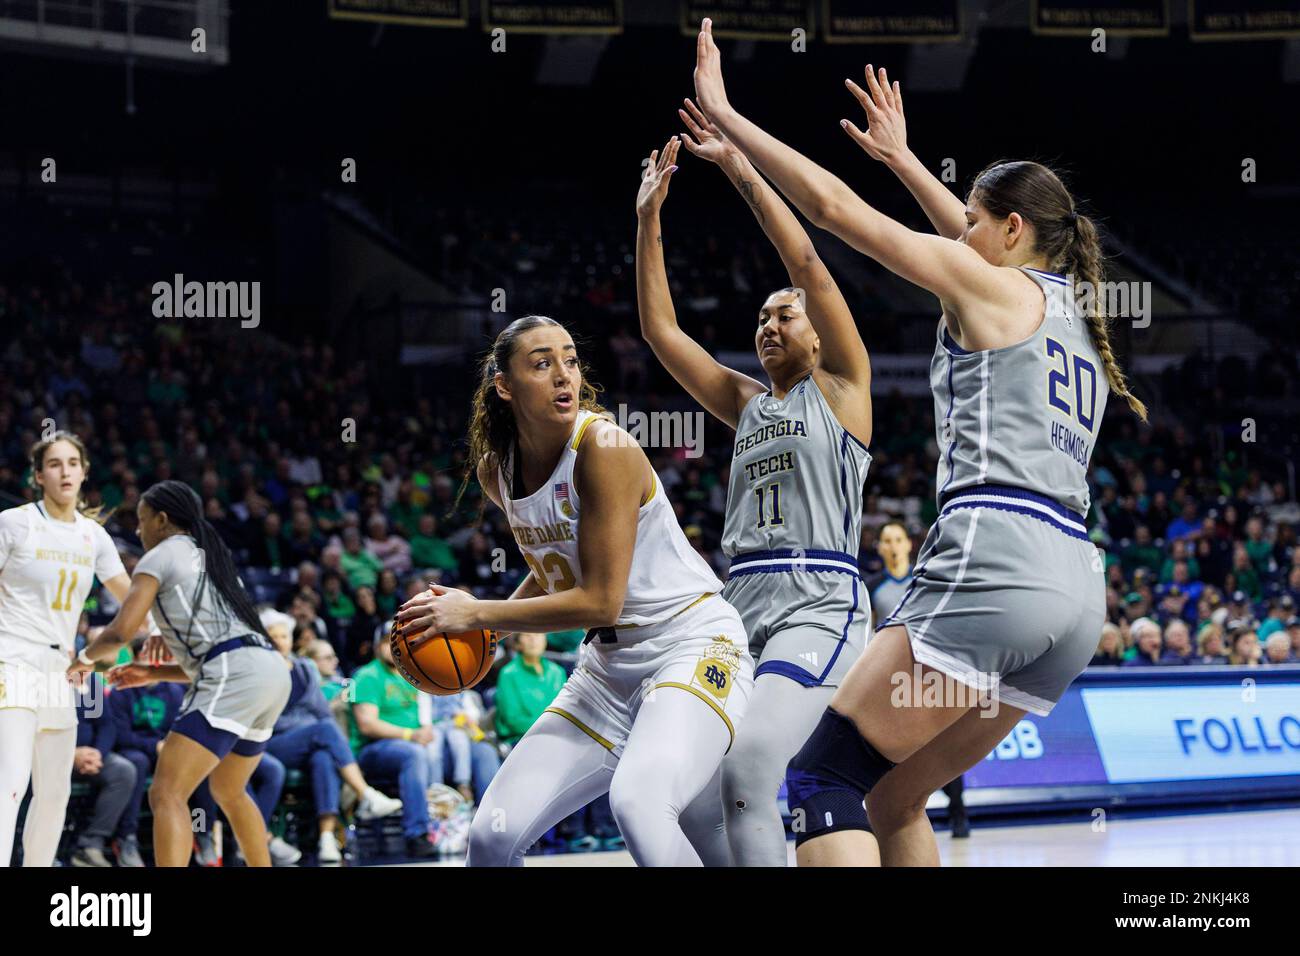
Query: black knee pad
(830, 777)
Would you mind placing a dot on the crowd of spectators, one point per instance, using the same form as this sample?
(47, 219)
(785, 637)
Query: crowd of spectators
(339, 504)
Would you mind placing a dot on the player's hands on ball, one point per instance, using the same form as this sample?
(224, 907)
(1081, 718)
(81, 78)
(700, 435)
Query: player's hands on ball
(886, 135)
(438, 610)
(654, 180)
(130, 675)
(710, 92)
(709, 142)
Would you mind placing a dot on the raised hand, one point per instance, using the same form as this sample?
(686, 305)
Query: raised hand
(709, 88)
(654, 179)
(709, 142)
(886, 136)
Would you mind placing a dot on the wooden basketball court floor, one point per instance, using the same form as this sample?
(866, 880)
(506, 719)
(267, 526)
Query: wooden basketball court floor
(1238, 838)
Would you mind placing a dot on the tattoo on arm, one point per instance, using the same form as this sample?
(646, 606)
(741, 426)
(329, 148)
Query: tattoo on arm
(752, 192)
(659, 239)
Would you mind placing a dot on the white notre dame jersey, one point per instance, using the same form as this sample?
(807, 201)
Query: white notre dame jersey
(46, 570)
(667, 574)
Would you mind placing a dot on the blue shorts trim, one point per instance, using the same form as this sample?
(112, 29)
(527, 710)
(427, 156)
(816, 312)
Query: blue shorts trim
(787, 669)
(791, 559)
(1018, 501)
(807, 678)
(220, 742)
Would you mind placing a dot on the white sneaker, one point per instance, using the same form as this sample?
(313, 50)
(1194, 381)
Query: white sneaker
(327, 851)
(205, 853)
(375, 804)
(282, 854)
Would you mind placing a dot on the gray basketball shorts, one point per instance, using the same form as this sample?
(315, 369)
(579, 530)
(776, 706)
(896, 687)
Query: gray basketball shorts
(1008, 596)
(241, 692)
(806, 612)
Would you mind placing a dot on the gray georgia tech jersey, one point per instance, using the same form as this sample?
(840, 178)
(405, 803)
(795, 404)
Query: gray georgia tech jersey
(1025, 416)
(796, 477)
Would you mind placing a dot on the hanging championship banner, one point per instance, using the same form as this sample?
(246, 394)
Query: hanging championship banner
(749, 19)
(891, 21)
(1243, 19)
(554, 16)
(1125, 18)
(418, 13)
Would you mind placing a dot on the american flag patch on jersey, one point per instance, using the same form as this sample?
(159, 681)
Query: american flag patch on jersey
(562, 496)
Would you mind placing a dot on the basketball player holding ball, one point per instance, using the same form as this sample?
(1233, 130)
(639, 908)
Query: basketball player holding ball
(664, 673)
(1008, 597)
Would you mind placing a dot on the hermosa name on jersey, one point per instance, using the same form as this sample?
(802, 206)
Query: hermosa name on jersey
(1071, 443)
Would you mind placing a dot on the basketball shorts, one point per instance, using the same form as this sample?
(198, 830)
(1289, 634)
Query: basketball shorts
(239, 695)
(1008, 596)
(806, 612)
(34, 677)
(700, 651)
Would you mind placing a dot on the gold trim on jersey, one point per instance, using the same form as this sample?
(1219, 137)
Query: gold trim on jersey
(581, 726)
(582, 430)
(704, 697)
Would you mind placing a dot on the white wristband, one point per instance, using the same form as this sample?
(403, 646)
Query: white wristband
(85, 658)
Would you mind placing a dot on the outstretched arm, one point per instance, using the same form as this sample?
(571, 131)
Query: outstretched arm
(951, 270)
(130, 616)
(843, 353)
(886, 140)
(721, 390)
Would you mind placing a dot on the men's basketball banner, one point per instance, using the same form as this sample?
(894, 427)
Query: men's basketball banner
(891, 21)
(1116, 17)
(554, 16)
(419, 13)
(1243, 19)
(749, 19)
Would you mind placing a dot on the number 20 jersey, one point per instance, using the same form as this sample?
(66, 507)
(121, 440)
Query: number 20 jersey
(1026, 415)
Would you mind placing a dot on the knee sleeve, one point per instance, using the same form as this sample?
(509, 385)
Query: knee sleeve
(830, 777)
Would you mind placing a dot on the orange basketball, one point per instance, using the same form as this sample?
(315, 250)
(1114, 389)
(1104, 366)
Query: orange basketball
(445, 664)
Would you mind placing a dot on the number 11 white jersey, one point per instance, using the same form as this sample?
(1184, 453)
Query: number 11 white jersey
(46, 571)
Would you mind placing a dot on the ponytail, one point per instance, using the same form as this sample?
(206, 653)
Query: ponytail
(184, 509)
(1065, 237)
(492, 428)
(1083, 260)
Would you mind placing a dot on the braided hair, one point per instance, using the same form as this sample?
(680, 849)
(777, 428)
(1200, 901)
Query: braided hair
(1065, 236)
(184, 509)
